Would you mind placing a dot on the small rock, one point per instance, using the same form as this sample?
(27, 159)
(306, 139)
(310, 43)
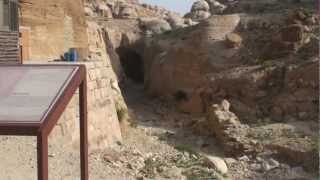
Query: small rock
(194, 156)
(270, 164)
(230, 161)
(233, 40)
(51, 155)
(259, 159)
(307, 29)
(244, 158)
(217, 163)
(225, 105)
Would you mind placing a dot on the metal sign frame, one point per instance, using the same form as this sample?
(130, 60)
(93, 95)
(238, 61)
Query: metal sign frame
(43, 128)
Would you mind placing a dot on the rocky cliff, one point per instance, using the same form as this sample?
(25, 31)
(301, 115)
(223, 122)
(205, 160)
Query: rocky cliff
(248, 67)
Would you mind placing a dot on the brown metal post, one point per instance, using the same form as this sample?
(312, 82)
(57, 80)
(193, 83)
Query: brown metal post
(42, 154)
(83, 128)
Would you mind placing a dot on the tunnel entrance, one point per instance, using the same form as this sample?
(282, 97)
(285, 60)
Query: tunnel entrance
(132, 64)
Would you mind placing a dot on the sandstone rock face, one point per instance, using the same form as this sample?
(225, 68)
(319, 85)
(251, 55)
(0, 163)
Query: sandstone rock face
(197, 62)
(167, 59)
(55, 26)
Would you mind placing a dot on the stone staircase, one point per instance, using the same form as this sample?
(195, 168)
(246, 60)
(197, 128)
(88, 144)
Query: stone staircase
(9, 47)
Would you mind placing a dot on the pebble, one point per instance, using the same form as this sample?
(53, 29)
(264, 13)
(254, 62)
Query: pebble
(270, 164)
(217, 163)
(244, 158)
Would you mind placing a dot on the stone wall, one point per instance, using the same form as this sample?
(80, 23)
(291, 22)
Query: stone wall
(55, 26)
(9, 49)
(103, 124)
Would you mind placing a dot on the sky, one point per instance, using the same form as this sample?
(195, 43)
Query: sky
(181, 6)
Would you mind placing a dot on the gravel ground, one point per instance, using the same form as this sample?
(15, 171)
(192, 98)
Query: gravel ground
(158, 145)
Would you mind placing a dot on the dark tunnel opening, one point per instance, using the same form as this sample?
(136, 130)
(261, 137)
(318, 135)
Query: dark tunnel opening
(132, 64)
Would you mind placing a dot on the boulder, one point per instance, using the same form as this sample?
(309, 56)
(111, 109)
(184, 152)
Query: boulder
(233, 40)
(200, 49)
(128, 12)
(200, 5)
(200, 10)
(190, 22)
(154, 25)
(216, 7)
(175, 21)
(219, 116)
(217, 163)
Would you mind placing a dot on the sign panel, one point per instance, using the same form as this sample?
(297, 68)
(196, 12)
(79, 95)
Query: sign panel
(27, 93)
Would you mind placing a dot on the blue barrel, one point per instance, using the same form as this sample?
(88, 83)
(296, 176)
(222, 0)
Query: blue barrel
(66, 56)
(73, 55)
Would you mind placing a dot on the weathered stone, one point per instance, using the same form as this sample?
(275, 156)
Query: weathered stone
(199, 15)
(270, 164)
(217, 163)
(216, 7)
(175, 21)
(200, 5)
(154, 25)
(233, 40)
(128, 12)
(104, 10)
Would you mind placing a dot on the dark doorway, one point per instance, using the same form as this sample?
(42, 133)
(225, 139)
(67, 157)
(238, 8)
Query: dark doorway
(132, 64)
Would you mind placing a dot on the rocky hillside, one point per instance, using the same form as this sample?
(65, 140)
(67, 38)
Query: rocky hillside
(241, 72)
(259, 56)
(264, 63)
